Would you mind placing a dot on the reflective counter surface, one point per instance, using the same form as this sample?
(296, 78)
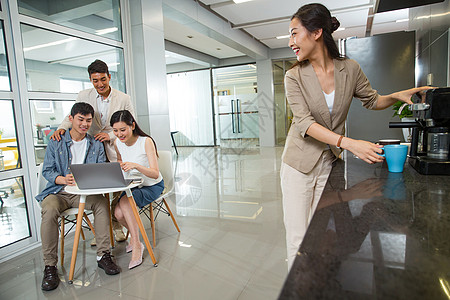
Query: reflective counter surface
(376, 235)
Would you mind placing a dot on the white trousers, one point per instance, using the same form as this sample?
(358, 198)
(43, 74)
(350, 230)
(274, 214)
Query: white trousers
(301, 194)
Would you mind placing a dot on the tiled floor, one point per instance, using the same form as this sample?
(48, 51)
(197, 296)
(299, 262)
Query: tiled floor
(231, 245)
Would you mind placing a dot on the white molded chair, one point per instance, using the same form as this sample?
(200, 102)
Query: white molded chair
(153, 209)
(41, 183)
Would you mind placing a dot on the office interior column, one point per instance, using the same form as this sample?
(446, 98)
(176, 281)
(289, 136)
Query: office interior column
(149, 70)
(266, 103)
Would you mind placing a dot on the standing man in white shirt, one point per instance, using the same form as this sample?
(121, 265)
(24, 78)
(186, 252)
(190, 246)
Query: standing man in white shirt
(105, 101)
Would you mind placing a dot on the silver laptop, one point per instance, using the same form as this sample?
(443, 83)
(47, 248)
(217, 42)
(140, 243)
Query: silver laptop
(98, 176)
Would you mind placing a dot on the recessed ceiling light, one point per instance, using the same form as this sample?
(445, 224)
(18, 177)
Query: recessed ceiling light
(50, 44)
(241, 1)
(340, 29)
(218, 49)
(402, 20)
(190, 36)
(283, 37)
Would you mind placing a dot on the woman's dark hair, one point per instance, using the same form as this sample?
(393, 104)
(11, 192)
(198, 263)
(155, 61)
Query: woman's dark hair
(316, 16)
(98, 66)
(82, 108)
(126, 117)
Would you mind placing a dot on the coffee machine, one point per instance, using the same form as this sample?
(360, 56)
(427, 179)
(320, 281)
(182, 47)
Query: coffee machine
(430, 143)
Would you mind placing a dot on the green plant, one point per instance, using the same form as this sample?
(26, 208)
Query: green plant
(405, 113)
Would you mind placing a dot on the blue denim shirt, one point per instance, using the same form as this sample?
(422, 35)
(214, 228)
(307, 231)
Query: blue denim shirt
(58, 159)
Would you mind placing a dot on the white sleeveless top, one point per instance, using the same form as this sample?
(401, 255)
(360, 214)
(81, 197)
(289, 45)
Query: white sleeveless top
(136, 154)
(330, 100)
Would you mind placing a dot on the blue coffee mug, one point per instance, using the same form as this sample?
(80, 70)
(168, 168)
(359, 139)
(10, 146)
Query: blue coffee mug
(395, 157)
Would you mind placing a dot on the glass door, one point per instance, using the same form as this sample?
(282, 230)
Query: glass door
(190, 107)
(283, 114)
(236, 106)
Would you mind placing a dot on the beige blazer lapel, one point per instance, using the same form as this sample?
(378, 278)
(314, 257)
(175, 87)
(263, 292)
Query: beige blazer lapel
(340, 80)
(316, 93)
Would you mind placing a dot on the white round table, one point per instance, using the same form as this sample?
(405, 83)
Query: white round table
(73, 189)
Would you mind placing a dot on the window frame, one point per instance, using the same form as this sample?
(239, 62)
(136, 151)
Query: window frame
(21, 97)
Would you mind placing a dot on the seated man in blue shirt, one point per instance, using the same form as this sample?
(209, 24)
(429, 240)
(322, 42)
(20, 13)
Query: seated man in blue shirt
(76, 147)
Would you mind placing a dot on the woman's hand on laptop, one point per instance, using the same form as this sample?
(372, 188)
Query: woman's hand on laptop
(127, 166)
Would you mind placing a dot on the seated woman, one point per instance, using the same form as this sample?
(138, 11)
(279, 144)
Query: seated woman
(137, 155)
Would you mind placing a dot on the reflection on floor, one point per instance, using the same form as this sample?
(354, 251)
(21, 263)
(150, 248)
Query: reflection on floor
(231, 245)
(13, 214)
(238, 145)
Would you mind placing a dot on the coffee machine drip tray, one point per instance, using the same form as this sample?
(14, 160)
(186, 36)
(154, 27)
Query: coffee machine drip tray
(429, 166)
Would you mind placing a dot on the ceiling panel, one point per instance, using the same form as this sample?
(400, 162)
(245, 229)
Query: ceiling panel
(269, 30)
(266, 19)
(267, 33)
(387, 21)
(353, 18)
(391, 16)
(389, 27)
(350, 32)
(275, 43)
(209, 2)
(258, 10)
(174, 58)
(178, 33)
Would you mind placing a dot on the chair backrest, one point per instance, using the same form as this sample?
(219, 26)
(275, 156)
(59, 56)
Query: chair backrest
(165, 167)
(41, 181)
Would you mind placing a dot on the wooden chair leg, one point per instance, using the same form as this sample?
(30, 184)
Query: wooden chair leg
(82, 235)
(77, 238)
(62, 241)
(89, 223)
(128, 234)
(171, 215)
(152, 223)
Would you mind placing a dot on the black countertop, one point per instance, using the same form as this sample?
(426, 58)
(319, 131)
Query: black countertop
(376, 235)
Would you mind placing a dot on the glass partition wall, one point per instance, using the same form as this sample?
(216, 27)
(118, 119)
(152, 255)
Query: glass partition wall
(189, 95)
(15, 217)
(215, 107)
(57, 63)
(236, 106)
(45, 48)
(96, 17)
(283, 114)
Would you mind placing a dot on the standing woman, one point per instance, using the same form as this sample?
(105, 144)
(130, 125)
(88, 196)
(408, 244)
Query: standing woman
(319, 90)
(137, 154)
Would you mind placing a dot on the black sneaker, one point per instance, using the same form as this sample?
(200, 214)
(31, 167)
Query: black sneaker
(107, 264)
(51, 278)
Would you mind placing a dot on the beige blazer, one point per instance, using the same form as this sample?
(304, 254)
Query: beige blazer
(305, 97)
(119, 101)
